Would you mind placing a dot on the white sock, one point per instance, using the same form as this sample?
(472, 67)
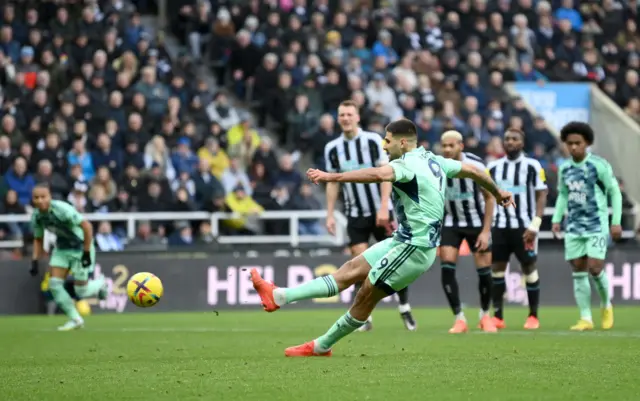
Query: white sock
(587, 318)
(370, 319)
(279, 296)
(404, 308)
(483, 313)
(460, 316)
(317, 348)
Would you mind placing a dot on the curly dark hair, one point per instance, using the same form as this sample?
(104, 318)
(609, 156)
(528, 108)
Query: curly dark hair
(579, 128)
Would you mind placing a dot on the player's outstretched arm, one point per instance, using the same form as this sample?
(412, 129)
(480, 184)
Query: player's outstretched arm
(365, 175)
(485, 181)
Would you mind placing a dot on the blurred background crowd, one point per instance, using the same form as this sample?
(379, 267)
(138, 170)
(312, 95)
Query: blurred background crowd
(94, 102)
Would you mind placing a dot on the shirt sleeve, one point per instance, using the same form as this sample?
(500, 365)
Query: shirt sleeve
(540, 182)
(450, 167)
(331, 159)
(38, 229)
(401, 171)
(68, 214)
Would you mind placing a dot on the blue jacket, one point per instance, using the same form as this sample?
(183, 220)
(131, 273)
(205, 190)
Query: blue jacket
(86, 162)
(22, 185)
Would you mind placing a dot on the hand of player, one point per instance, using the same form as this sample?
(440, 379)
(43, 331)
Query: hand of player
(34, 268)
(616, 232)
(86, 259)
(505, 198)
(482, 243)
(556, 230)
(382, 217)
(317, 176)
(331, 225)
(529, 236)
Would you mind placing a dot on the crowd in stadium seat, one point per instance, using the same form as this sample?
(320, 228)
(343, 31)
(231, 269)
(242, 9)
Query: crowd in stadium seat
(96, 106)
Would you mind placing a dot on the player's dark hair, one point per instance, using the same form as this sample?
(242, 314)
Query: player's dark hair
(579, 128)
(43, 185)
(402, 127)
(517, 131)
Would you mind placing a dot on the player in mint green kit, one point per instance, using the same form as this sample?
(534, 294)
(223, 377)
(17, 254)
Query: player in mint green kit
(74, 253)
(419, 181)
(584, 184)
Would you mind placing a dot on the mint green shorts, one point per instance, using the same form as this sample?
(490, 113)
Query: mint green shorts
(395, 265)
(593, 246)
(71, 260)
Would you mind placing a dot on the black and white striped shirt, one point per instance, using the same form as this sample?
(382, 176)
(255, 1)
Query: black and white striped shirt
(362, 151)
(522, 177)
(465, 204)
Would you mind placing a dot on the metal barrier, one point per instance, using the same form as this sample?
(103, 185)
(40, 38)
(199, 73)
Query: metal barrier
(293, 239)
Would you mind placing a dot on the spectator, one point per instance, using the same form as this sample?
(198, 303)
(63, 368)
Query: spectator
(240, 202)
(305, 200)
(11, 205)
(215, 156)
(20, 180)
(183, 159)
(6, 155)
(183, 235)
(234, 176)
(46, 174)
(222, 112)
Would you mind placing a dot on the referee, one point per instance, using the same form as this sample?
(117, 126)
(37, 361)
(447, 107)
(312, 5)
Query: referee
(515, 230)
(366, 206)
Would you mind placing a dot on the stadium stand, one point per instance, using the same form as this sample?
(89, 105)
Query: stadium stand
(97, 107)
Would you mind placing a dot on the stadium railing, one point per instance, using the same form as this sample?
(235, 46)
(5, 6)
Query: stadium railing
(293, 239)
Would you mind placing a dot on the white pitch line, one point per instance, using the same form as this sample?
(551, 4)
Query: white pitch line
(599, 334)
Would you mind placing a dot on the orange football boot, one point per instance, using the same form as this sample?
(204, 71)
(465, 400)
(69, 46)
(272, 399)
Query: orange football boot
(487, 324)
(265, 290)
(499, 323)
(532, 323)
(459, 327)
(305, 349)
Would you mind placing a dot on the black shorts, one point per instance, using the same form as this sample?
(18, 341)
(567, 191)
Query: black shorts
(453, 236)
(507, 241)
(360, 230)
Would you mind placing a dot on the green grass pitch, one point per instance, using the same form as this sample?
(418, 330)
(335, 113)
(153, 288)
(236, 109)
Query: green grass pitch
(238, 355)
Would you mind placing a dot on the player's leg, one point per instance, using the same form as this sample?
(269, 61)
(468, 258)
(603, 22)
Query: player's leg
(527, 259)
(355, 270)
(400, 266)
(60, 263)
(380, 234)
(575, 252)
(596, 255)
(501, 253)
(483, 261)
(449, 245)
(83, 286)
(359, 231)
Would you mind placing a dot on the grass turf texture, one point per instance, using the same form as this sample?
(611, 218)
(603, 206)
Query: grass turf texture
(239, 356)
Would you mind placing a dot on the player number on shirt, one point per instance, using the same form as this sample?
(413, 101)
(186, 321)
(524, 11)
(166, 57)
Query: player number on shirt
(436, 170)
(599, 242)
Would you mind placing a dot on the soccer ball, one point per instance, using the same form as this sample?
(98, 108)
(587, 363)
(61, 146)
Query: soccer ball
(83, 307)
(144, 289)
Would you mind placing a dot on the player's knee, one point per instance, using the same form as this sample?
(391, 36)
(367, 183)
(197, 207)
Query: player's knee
(81, 290)
(596, 269)
(484, 271)
(56, 285)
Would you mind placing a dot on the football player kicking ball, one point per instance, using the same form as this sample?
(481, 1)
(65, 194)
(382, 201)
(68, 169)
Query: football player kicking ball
(419, 183)
(584, 184)
(74, 253)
